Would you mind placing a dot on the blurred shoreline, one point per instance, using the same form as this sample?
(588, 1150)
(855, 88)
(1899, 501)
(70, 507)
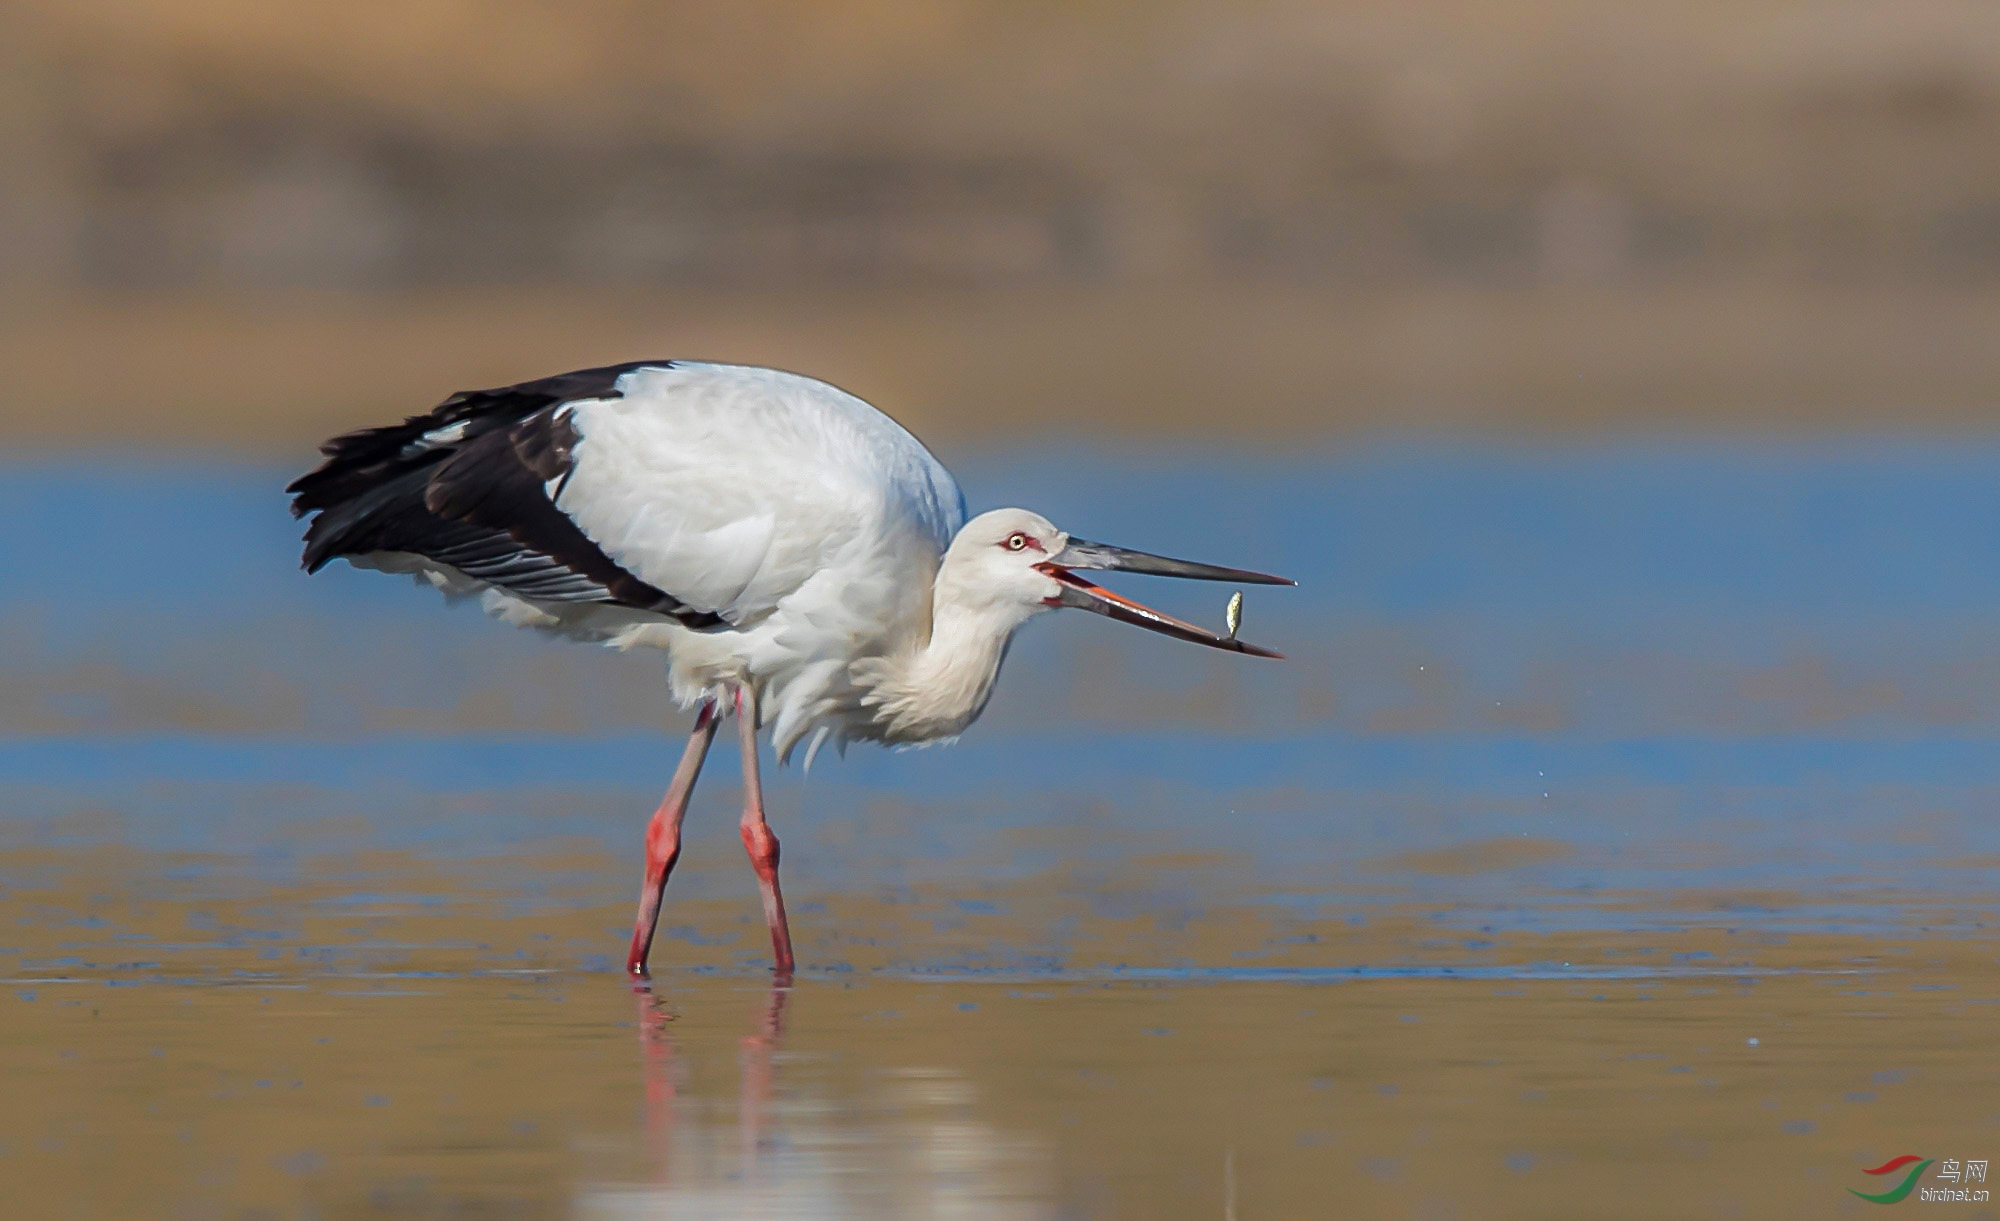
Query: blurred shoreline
(1249, 364)
(245, 227)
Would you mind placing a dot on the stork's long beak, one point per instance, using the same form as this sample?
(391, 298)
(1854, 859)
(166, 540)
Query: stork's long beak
(1082, 553)
(1084, 595)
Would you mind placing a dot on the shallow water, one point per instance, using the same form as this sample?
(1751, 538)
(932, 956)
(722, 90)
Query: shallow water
(1618, 839)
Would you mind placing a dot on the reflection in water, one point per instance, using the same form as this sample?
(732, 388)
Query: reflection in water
(759, 1048)
(379, 1038)
(909, 1148)
(657, 1056)
(1550, 869)
(659, 1071)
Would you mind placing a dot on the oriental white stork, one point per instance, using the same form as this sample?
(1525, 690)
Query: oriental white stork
(803, 560)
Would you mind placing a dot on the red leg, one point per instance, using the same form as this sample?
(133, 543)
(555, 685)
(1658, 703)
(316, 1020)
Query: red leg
(663, 837)
(757, 838)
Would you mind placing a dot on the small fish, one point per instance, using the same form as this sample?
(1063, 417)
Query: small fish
(1234, 615)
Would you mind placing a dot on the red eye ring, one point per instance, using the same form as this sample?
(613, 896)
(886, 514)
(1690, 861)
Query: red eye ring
(1016, 541)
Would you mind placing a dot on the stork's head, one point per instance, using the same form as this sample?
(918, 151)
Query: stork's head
(1011, 559)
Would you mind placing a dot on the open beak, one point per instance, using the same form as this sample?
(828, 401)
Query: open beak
(1084, 595)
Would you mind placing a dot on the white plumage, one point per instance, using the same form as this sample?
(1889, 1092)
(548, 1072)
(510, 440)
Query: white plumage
(810, 522)
(795, 552)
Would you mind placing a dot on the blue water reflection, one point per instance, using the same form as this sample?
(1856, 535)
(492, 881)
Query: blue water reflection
(1684, 665)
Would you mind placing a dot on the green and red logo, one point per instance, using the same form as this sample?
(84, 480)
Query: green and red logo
(1917, 1166)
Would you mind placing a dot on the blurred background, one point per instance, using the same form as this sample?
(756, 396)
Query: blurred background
(245, 223)
(1620, 381)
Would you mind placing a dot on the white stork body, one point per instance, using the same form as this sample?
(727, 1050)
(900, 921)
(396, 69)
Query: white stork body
(792, 549)
(810, 522)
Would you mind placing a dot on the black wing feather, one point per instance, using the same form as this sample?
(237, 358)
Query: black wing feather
(477, 499)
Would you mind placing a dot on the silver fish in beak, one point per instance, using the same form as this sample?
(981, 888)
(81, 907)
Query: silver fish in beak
(1084, 595)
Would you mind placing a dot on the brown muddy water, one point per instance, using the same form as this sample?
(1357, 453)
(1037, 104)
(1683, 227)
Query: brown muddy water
(1619, 841)
(181, 1046)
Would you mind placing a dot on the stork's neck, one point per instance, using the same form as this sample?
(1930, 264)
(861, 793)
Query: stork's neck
(938, 690)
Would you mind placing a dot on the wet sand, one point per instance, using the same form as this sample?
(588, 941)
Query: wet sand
(383, 1037)
(313, 892)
